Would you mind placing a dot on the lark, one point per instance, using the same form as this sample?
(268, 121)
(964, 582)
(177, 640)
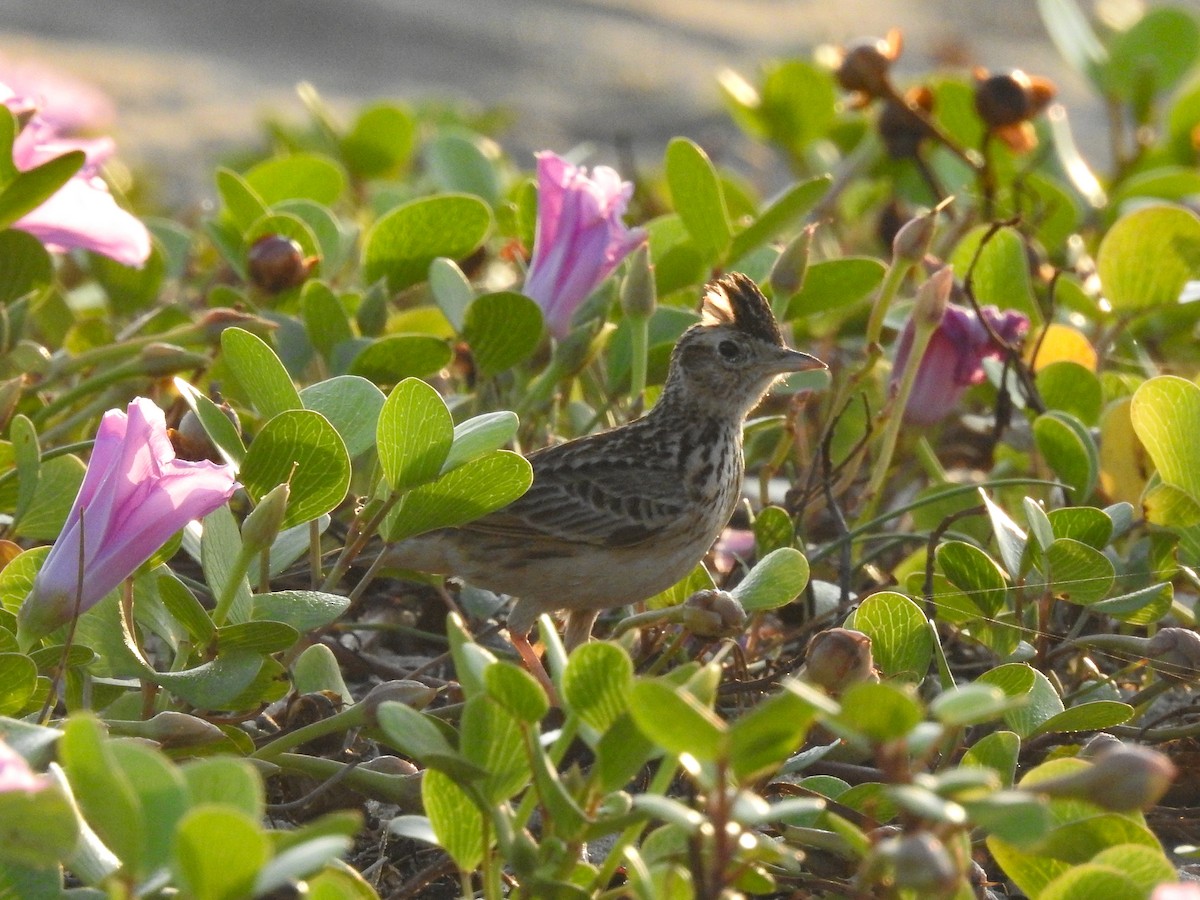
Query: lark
(617, 517)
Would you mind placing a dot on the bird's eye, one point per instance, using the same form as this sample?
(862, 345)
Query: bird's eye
(729, 349)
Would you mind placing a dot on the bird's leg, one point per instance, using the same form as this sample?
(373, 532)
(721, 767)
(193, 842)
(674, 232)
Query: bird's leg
(533, 663)
(579, 627)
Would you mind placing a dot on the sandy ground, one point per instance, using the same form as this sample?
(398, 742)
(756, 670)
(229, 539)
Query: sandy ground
(190, 79)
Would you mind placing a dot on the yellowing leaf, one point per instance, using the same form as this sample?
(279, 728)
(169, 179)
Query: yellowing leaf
(1061, 342)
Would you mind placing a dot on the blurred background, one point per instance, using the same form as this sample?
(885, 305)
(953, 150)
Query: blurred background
(191, 80)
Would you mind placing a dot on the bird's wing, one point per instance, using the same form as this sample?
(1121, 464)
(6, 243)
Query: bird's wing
(607, 493)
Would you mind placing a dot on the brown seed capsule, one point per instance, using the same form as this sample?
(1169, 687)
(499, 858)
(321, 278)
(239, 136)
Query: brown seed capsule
(900, 128)
(713, 613)
(276, 263)
(1010, 98)
(837, 658)
(866, 66)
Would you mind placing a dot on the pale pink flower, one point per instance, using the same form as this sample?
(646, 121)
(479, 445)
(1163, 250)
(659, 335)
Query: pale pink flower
(15, 774)
(135, 495)
(953, 361)
(68, 104)
(580, 237)
(82, 213)
(1183, 891)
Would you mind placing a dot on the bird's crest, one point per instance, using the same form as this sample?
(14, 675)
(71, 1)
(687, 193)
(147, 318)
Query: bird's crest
(735, 299)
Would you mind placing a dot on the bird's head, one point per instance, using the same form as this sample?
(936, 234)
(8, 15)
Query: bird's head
(736, 352)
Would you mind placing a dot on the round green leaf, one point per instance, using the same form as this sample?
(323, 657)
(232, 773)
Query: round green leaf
(1165, 412)
(1089, 880)
(218, 852)
(380, 142)
(798, 103)
(37, 830)
(300, 176)
(259, 372)
(879, 712)
(402, 244)
(492, 738)
(1069, 387)
(323, 226)
(1042, 701)
(1094, 716)
(300, 447)
(464, 163)
(1148, 256)
(414, 435)
(472, 490)
(596, 683)
(1153, 54)
(24, 265)
(503, 329)
(302, 610)
(479, 435)
(351, 404)
(391, 359)
(18, 679)
(1079, 573)
(975, 574)
(456, 820)
(1001, 274)
(52, 498)
(899, 632)
(676, 721)
(1085, 524)
(773, 529)
(777, 579)
(517, 691)
(1069, 449)
(969, 704)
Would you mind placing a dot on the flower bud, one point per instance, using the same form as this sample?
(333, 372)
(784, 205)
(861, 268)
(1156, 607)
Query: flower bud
(912, 241)
(215, 321)
(276, 263)
(390, 765)
(1177, 651)
(170, 729)
(787, 274)
(410, 693)
(923, 865)
(1123, 778)
(262, 525)
(713, 614)
(932, 297)
(638, 294)
(837, 658)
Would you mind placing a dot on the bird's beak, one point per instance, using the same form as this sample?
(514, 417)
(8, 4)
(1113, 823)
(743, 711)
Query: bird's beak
(794, 361)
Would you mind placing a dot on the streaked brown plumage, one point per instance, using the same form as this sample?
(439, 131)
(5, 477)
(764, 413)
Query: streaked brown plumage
(616, 517)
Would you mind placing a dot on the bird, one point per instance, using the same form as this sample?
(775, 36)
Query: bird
(615, 517)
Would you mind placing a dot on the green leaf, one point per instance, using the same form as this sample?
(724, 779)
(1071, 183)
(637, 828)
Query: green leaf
(798, 103)
(325, 319)
(411, 732)
(256, 637)
(1068, 386)
(970, 704)
(37, 830)
(900, 640)
(1152, 55)
(1069, 449)
(597, 682)
(696, 580)
(777, 579)
(456, 820)
(352, 405)
(259, 372)
(975, 574)
(302, 610)
(1001, 274)
(18, 680)
(218, 853)
(1166, 415)
(27, 459)
(794, 203)
(879, 712)
(1094, 716)
(299, 447)
(33, 187)
(1010, 539)
(391, 359)
(1079, 573)
(762, 739)
(479, 435)
(474, 489)
(56, 489)
(1140, 607)
(697, 196)
(836, 284)
(228, 781)
(402, 244)
(161, 793)
(464, 163)
(503, 330)
(773, 529)
(1147, 257)
(676, 721)
(517, 691)
(242, 204)
(492, 739)
(452, 291)
(1085, 524)
(25, 265)
(380, 142)
(302, 175)
(997, 751)
(414, 436)
(212, 685)
(1043, 702)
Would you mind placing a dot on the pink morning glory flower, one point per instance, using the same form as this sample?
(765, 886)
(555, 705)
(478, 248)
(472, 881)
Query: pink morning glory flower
(954, 359)
(15, 774)
(68, 104)
(82, 213)
(135, 495)
(580, 236)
